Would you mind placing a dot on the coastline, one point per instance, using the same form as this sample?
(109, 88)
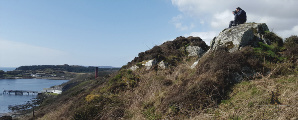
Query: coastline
(45, 78)
(6, 114)
(34, 84)
(13, 115)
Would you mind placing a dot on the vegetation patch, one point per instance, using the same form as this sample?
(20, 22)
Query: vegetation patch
(269, 53)
(125, 79)
(170, 51)
(259, 100)
(150, 112)
(218, 88)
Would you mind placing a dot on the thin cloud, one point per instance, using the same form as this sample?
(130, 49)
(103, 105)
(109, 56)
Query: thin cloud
(178, 22)
(220, 20)
(13, 53)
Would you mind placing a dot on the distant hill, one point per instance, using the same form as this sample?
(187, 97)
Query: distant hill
(65, 67)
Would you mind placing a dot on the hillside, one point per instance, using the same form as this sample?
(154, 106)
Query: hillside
(52, 71)
(248, 72)
(65, 67)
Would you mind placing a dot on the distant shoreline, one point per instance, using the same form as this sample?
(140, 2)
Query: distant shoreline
(6, 114)
(5, 69)
(37, 78)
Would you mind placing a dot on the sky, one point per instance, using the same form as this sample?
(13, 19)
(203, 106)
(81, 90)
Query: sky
(113, 32)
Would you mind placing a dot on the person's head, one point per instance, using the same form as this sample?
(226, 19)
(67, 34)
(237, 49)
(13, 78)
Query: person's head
(238, 9)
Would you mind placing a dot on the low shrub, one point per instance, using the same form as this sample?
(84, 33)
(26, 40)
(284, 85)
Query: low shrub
(150, 112)
(170, 51)
(214, 77)
(291, 45)
(125, 79)
(91, 97)
(269, 52)
(88, 112)
(273, 38)
(291, 41)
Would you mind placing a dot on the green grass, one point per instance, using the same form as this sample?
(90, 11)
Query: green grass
(253, 99)
(269, 52)
(150, 113)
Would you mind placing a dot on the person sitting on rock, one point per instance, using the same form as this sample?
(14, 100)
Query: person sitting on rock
(240, 17)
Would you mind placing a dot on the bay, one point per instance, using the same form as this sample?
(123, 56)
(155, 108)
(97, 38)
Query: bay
(5, 69)
(22, 84)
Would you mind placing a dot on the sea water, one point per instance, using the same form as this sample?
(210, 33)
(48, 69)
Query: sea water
(5, 69)
(22, 84)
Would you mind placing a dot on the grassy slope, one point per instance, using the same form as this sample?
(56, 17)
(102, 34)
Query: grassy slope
(179, 92)
(253, 100)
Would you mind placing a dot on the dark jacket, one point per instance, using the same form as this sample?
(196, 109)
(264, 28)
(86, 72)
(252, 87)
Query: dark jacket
(240, 17)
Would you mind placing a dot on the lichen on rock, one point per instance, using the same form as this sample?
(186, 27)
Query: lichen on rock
(248, 34)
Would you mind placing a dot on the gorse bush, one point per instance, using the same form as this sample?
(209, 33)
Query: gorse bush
(215, 74)
(269, 52)
(282, 60)
(170, 51)
(273, 38)
(291, 41)
(291, 45)
(91, 97)
(87, 112)
(125, 79)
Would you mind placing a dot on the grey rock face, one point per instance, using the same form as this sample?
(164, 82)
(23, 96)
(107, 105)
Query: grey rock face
(195, 51)
(150, 63)
(133, 68)
(240, 36)
(162, 65)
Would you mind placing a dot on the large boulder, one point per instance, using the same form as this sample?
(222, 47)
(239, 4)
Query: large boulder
(235, 38)
(248, 34)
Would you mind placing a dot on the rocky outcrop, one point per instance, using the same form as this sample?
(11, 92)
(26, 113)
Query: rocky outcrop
(248, 34)
(170, 53)
(162, 65)
(235, 38)
(150, 63)
(134, 67)
(195, 51)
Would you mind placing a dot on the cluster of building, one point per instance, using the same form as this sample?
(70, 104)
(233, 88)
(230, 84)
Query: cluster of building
(52, 90)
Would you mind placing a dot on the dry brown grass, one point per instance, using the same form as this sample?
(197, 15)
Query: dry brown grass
(179, 92)
(209, 91)
(58, 114)
(251, 100)
(154, 87)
